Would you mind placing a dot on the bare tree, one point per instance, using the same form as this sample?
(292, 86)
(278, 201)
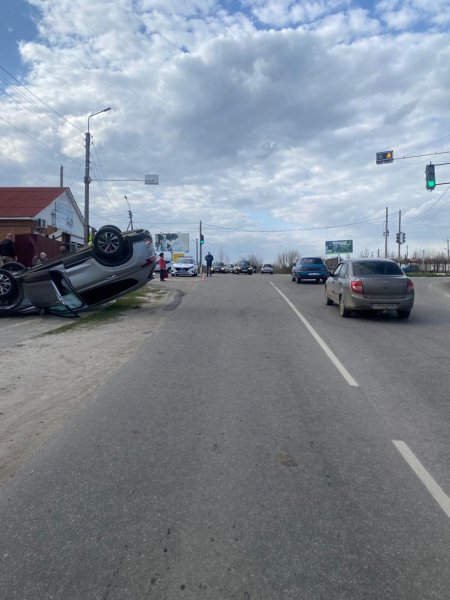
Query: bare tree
(286, 259)
(254, 260)
(222, 257)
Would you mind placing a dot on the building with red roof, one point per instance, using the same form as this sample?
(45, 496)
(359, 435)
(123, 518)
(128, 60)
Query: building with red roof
(50, 213)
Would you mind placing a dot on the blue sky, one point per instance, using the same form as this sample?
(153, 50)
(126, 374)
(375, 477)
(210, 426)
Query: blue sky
(261, 117)
(16, 24)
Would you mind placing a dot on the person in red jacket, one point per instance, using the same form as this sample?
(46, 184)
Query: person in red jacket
(162, 266)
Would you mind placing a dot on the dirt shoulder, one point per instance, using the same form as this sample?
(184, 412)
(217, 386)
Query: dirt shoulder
(45, 378)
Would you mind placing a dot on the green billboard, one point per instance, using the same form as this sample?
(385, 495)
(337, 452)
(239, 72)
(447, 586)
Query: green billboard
(339, 247)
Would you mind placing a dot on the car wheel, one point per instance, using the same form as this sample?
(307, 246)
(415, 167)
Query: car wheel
(9, 288)
(403, 314)
(13, 266)
(343, 310)
(109, 242)
(328, 300)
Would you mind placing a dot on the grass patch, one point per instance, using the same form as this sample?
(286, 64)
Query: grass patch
(131, 301)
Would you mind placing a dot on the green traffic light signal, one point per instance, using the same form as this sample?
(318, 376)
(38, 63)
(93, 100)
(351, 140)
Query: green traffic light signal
(202, 239)
(430, 177)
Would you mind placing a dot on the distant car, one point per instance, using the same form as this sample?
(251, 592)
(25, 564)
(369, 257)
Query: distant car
(267, 268)
(310, 268)
(116, 264)
(217, 267)
(370, 284)
(184, 266)
(243, 266)
(410, 268)
(227, 268)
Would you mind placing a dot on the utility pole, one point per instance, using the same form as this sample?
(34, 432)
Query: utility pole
(399, 235)
(386, 233)
(448, 256)
(130, 214)
(87, 179)
(200, 237)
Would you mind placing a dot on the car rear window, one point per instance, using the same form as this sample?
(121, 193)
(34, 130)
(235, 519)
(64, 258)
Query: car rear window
(312, 261)
(376, 268)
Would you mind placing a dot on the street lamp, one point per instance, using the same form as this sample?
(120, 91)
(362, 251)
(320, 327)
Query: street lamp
(87, 179)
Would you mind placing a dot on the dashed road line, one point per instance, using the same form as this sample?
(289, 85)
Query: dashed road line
(331, 355)
(428, 481)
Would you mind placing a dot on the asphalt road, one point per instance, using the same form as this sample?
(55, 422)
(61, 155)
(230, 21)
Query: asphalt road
(257, 447)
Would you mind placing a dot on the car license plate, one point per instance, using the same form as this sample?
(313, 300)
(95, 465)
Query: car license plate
(314, 274)
(384, 306)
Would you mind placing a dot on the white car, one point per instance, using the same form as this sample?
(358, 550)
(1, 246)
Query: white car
(184, 266)
(267, 268)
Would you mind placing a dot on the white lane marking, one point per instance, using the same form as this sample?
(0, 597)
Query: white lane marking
(432, 486)
(331, 355)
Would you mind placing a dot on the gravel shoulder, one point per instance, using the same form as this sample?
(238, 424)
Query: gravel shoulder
(46, 377)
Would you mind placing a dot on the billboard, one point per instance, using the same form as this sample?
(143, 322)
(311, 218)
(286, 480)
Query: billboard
(339, 247)
(171, 242)
(64, 216)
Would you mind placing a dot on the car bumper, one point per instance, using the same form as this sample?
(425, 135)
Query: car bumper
(316, 275)
(357, 303)
(183, 273)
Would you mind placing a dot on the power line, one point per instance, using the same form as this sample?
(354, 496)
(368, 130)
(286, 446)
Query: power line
(221, 228)
(36, 139)
(40, 100)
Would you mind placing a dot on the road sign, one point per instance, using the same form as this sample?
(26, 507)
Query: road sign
(151, 179)
(385, 157)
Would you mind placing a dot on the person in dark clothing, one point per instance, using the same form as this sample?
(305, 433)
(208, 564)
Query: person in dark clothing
(8, 249)
(209, 261)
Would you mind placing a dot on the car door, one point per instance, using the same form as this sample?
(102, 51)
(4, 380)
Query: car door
(332, 284)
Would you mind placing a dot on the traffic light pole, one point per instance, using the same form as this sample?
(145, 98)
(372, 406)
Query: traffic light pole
(201, 248)
(399, 234)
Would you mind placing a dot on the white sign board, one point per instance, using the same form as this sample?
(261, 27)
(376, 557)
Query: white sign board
(171, 242)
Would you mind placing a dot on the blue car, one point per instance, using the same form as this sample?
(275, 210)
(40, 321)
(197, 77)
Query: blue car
(310, 268)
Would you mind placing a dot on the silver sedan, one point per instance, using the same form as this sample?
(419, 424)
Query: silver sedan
(370, 284)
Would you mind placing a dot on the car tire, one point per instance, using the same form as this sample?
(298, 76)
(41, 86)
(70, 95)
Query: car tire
(9, 288)
(403, 314)
(112, 227)
(14, 267)
(328, 300)
(343, 310)
(108, 242)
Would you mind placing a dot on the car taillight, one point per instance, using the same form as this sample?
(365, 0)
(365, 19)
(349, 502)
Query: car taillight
(357, 286)
(410, 286)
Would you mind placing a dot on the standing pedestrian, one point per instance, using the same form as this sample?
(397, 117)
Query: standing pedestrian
(162, 266)
(209, 261)
(8, 249)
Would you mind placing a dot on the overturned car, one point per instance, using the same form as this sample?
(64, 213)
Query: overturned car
(117, 263)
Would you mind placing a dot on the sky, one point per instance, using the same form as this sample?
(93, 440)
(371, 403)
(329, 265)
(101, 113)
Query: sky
(261, 118)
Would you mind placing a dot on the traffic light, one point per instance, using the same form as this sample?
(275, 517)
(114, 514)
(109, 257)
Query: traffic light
(202, 239)
(403, 238)
(430, 177)
(397, 238)
(385, 157)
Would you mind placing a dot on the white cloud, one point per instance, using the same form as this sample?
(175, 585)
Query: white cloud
(248, 128)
